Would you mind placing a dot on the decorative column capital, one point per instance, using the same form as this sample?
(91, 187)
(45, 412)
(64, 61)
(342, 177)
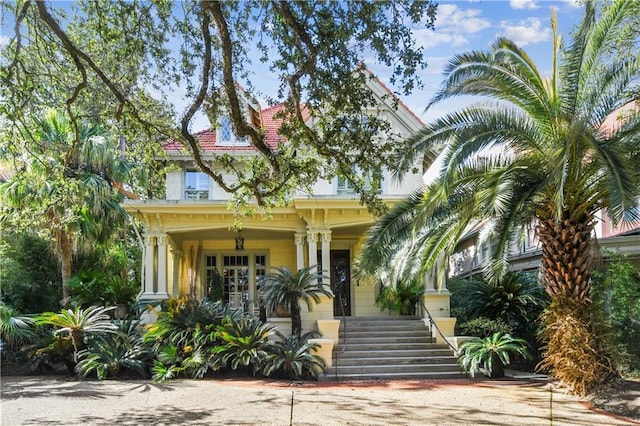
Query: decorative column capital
(162, 240)
(149, 240)
(326, 236)
(299, 238)
(312, 236)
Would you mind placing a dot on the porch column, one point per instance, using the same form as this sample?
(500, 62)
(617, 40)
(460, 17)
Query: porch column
(299, 238)
(323, 311)
(177, 259)
(312, 240)
(162, 266)
(149, 267)
(326, 258)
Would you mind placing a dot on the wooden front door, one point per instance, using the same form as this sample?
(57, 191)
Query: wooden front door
(341, 282)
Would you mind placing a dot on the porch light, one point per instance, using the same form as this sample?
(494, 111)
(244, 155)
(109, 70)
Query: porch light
(239, 241)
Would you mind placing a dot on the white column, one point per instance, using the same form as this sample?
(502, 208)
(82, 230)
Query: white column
(312, 239)
(162, 267)
(149, 269)
(177, 263)
(299, 238)
(326, 258)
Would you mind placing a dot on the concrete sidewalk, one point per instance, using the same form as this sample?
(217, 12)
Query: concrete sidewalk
(51, 401)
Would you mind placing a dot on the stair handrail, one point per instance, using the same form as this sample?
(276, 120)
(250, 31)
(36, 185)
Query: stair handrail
(432, 323)
(344, 334)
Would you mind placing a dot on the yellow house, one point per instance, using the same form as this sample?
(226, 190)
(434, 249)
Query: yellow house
(190, 244)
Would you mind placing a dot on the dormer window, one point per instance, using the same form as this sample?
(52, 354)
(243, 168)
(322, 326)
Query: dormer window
(196, 186)
(225, 136)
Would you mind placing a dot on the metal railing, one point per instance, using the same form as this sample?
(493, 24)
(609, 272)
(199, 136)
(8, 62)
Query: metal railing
(345, 335)
(432, 323)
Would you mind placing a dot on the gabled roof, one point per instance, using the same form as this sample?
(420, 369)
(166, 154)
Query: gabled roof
(394, 96)
(271, 124)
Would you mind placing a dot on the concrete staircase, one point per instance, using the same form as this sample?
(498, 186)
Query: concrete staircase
(390, 348)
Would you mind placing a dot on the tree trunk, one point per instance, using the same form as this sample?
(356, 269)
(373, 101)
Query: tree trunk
(497, 369)
(66, 254)
(565, 257)
(296, 320)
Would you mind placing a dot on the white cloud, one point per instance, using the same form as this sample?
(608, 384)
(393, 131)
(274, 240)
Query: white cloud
(529, 31)
(451, 18)
(574, 4)
(4, 40)
(523, 4)
(430, 38)
(436, 64)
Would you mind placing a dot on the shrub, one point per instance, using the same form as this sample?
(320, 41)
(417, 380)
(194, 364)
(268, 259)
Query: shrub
(185, 337)
(485, 327)
(617, 293)
(402, 298)
(292, 357)
(243, 342)
(30, 283)
(120, 353)
(491, 353)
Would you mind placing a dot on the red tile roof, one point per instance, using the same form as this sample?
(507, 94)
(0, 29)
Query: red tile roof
(207, 138)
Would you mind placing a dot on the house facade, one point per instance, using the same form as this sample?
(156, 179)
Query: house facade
(192, 248)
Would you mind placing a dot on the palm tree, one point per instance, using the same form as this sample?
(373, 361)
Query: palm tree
(491, 354)
(284, 287)
(77, 323)
(65, 186)
(536, 153)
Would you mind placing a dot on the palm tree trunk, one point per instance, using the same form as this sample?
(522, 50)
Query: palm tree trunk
(565, 257)
(296, 320)
(66, 254)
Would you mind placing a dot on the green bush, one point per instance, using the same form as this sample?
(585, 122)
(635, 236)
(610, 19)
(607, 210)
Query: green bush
(29, 273)
(617, 293)
(117, 354)
(484, 327)
(491, 354)
(292, 358)
(401, 298)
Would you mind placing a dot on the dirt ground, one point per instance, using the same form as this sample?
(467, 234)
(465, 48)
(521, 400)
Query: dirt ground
(61, 401)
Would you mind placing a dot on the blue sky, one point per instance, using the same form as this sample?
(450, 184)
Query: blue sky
(461, 25)
(465, 25)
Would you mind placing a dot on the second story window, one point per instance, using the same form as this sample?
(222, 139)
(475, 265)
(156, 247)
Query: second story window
(344, 186)
(196, 186)
(225, 132)
(225, 136)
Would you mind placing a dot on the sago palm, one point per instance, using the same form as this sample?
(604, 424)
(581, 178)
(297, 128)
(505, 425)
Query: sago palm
(491, 354)
(537, 152)
(78, 322)
(287, 288)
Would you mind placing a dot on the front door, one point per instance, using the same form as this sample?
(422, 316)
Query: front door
(341, 282)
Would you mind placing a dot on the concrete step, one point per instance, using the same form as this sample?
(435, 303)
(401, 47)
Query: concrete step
(404, 360)
(398, 368)
(384, 334)
(376, 346)
(390, 348)
(331, 376)
(361, 340)
(393, 353)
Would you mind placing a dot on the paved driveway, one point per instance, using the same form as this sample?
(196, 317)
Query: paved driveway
(47, 401)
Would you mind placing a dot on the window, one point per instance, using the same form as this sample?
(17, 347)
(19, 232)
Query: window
(346, 187)
(225, 131)
(196, 186)
(226, 137)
